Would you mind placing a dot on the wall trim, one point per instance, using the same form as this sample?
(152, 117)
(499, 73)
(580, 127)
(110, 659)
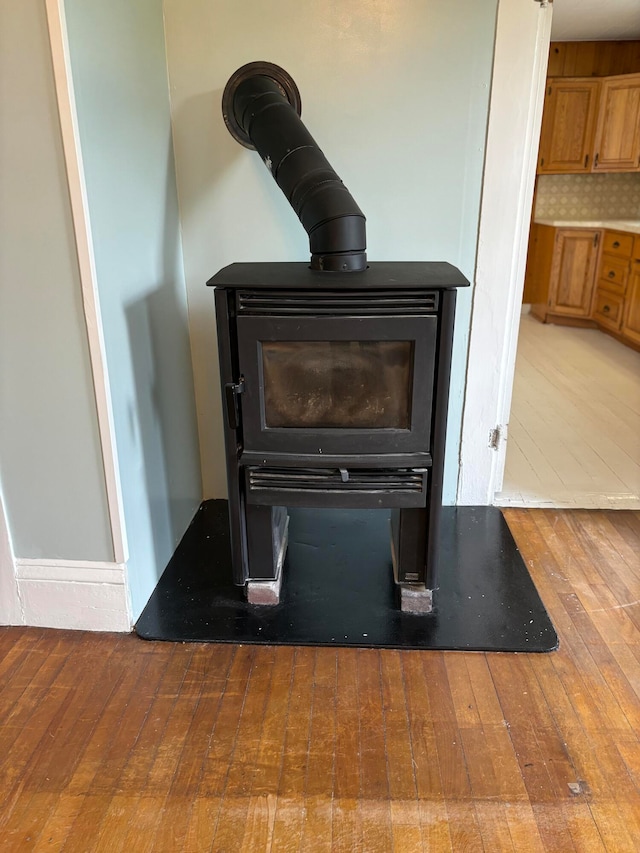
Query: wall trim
(82, 595)
(11, 612)
(86, 262)
(523, 35)
(71, 571)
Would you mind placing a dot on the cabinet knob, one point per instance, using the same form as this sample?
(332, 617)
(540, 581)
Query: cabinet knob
(616, 244)
(606, 309)
(612, 274)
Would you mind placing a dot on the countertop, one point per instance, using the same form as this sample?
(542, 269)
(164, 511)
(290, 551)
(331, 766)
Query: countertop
(630, 225)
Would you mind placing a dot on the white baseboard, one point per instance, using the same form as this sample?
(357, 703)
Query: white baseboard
(88, 596)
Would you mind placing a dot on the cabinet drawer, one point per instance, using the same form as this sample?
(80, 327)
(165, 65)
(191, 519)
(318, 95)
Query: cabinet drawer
(614, 271)
(617, 243)
(607, 310)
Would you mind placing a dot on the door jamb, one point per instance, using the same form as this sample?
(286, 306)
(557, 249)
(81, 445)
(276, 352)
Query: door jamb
(523, 35)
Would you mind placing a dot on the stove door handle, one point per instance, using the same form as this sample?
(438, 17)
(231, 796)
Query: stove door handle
(231, 392)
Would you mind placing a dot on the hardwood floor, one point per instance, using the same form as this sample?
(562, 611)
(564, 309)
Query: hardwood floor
(109, 743)
(574, 428)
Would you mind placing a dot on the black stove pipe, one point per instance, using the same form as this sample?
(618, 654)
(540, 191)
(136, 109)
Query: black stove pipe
(261, 108)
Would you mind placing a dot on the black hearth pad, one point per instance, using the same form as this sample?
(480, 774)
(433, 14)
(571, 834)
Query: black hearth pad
(338, 587)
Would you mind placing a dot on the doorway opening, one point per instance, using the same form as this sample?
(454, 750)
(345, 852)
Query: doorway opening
(573, 427)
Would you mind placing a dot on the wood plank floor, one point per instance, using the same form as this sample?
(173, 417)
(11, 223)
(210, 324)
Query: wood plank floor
(574, 427)
(109, 743)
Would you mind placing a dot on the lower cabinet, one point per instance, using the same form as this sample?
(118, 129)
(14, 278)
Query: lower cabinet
(631, 318)
(585, 277)
(561, 273)
(616, 307)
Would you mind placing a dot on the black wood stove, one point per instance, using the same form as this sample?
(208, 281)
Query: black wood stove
(335, 374)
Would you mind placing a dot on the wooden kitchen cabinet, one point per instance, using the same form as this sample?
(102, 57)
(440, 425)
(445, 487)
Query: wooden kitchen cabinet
(616, 306)
(568, 125)
(631, 317)
(613, 273)
(563, 265)
(617, 137)
(590, 125)
(538, 269)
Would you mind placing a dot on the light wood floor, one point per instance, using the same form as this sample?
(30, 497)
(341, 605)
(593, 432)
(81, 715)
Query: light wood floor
(108, 743)
(574, 428)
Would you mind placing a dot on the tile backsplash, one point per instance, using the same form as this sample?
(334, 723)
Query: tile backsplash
(610, 196)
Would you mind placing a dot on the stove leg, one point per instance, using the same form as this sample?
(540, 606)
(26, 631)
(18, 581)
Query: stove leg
(267, 536)
(409, 556)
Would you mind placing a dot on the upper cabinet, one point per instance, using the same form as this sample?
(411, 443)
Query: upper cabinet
(617, 141)
(568, 125)
(591, 125)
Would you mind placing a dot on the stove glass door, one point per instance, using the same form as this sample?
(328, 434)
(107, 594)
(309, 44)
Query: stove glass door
(337, 385)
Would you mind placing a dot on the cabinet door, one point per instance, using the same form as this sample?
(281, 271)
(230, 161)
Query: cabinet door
(573, 272)
(617, 142)
(568, 125)
(631, 320)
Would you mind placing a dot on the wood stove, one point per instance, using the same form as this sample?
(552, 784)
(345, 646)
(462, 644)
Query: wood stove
(335, 396)
(335, 374)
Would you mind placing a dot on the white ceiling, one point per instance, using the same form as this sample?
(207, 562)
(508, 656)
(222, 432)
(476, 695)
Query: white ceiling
(587, 20)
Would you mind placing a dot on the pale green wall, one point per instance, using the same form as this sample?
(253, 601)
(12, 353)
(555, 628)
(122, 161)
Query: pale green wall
(120, 78)
(396, 94)
(51, 471)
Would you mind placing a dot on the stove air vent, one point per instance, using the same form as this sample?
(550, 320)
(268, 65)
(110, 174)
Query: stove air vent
(336, 487)
(291, 303)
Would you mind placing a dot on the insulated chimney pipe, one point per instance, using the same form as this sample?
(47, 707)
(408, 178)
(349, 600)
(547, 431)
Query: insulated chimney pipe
(261, 108)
